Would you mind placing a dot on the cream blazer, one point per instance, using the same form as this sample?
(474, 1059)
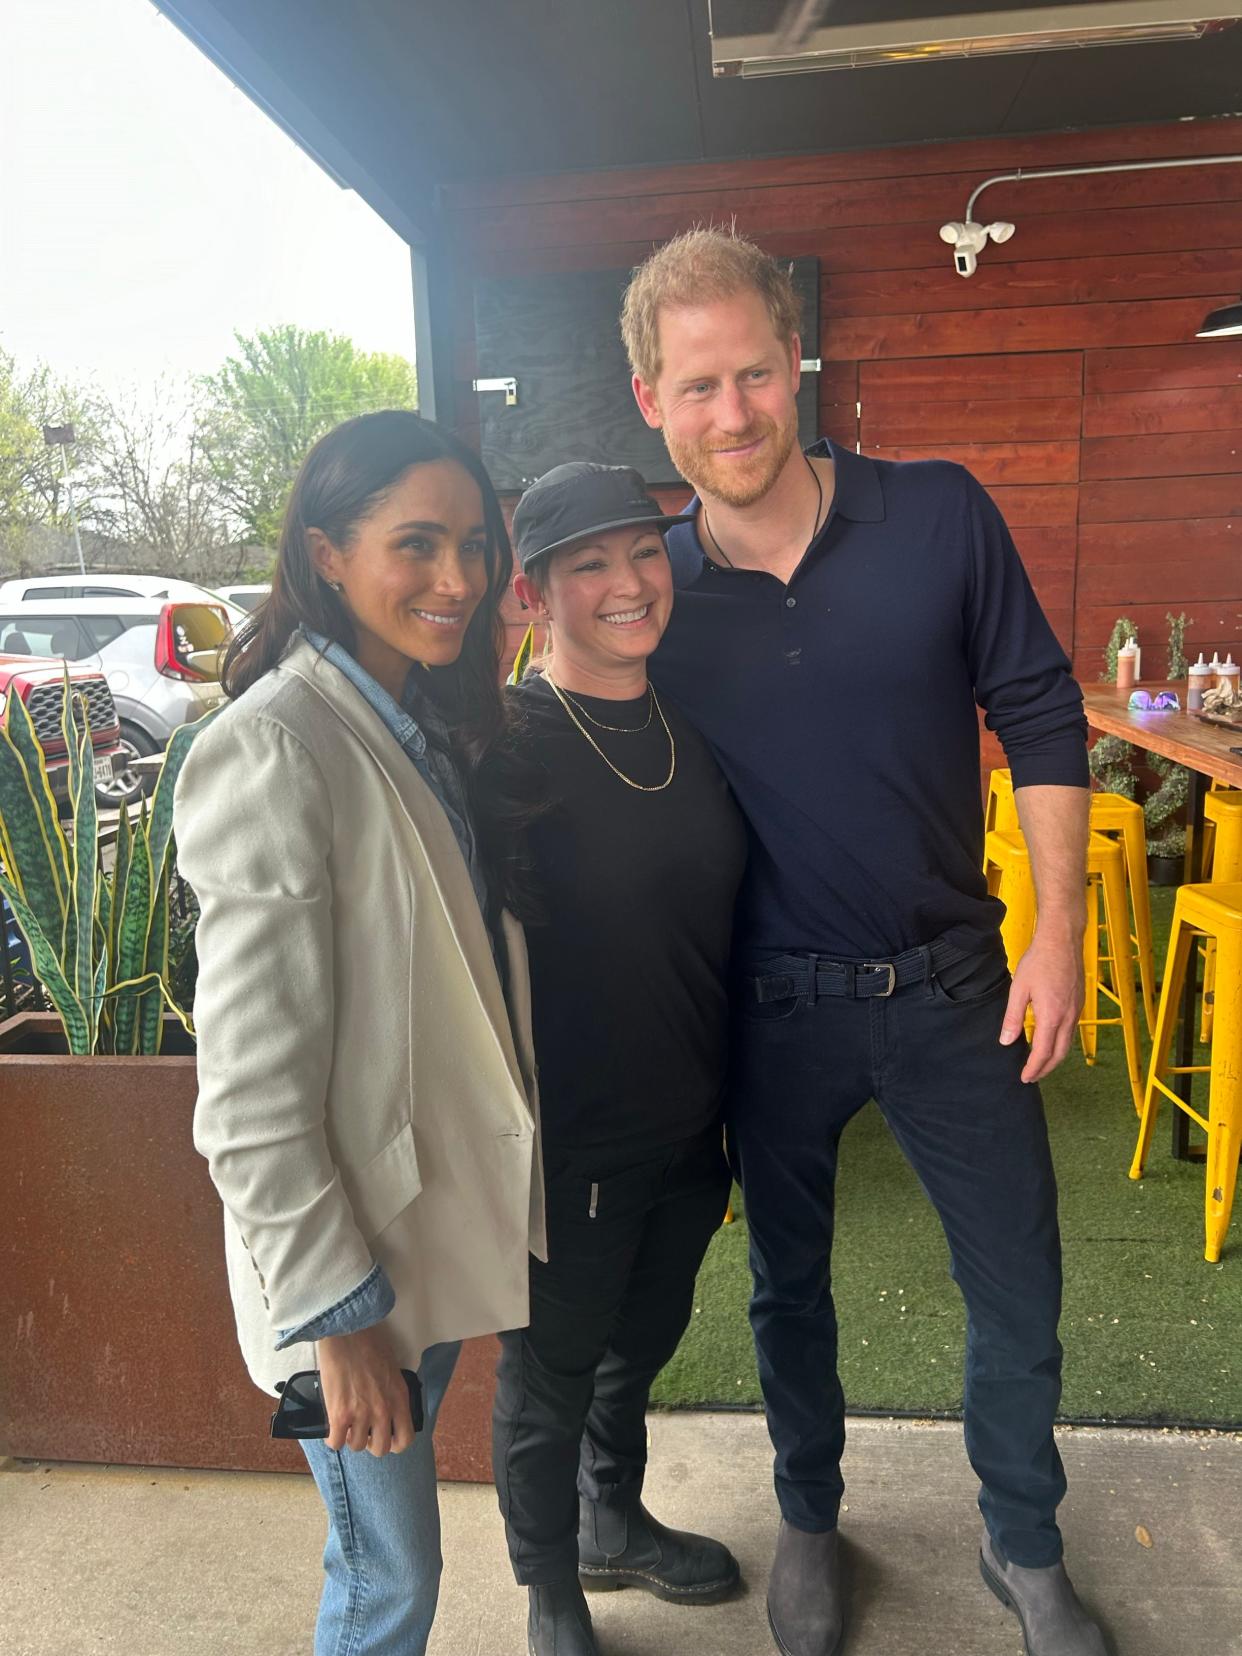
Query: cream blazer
(364, 1091)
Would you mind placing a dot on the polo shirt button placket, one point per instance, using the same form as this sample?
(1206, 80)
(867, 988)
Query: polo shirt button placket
(791, 603)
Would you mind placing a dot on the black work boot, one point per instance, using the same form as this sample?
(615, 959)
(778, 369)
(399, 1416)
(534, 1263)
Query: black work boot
(1054, 1620)
(624, 1546)
(806, 1600)
(558, 1622)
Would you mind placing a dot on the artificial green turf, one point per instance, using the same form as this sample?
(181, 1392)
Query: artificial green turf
(1151, 1331)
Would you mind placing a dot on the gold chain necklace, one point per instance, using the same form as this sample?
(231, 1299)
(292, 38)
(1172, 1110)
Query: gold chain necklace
(620, 730)
(642, 787)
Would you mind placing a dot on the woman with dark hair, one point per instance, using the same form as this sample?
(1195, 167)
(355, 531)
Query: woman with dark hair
(366, 1086)
(638, 856)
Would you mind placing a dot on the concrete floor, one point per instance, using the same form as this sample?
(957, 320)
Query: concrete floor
(99, 1561)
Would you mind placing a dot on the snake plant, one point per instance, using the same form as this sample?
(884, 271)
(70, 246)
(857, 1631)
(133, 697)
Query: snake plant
(522, 659)
(98, 940)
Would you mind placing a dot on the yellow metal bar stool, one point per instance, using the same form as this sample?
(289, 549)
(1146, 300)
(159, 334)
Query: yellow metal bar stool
(1222, 812)
(1000, 812)
(1007, 864)
(1114, 814)
(1213, 911)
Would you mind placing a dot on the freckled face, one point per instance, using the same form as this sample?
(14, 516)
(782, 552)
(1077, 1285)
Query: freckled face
(725, 397)
(415, 570)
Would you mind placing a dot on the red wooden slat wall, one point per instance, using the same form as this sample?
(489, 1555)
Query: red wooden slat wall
(1065, 373)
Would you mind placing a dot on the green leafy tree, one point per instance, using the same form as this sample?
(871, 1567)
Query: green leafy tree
(270, 402)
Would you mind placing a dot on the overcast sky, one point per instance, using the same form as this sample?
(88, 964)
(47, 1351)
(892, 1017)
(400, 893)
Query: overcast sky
(147, 208)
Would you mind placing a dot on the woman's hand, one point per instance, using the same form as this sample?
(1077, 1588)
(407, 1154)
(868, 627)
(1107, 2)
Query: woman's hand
(364, 1393)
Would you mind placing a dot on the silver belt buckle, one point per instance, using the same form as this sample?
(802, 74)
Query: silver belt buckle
(883, 966)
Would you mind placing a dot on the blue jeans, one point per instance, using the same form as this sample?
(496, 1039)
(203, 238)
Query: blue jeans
(975, 1135)
(382, 1558)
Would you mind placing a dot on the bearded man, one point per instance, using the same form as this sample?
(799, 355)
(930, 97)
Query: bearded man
(838, 619)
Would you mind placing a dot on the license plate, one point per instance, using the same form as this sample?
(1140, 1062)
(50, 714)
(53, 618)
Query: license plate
(103, 769)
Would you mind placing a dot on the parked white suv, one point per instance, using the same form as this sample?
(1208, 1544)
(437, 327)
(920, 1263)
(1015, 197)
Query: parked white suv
(161, 660)
(40, 588)
(244, 597)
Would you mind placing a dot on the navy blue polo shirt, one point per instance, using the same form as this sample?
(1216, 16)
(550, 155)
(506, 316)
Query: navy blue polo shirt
(842, 708)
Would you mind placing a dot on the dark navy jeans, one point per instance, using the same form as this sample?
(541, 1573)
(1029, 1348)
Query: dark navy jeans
(975, 1136)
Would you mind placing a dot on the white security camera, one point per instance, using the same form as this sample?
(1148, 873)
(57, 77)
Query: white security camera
(968, 241)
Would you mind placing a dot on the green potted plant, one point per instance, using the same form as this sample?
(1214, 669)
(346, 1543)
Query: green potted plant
(101, 942)
(114, 1270)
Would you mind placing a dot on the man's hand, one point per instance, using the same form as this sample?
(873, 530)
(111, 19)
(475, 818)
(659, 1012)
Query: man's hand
(1049, 979)
(364, 1393)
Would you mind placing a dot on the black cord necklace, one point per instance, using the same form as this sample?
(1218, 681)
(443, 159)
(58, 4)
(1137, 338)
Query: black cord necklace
(819, 506)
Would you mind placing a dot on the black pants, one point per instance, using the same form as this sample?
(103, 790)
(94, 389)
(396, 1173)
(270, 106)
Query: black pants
(976, 1137)
(606, 1312)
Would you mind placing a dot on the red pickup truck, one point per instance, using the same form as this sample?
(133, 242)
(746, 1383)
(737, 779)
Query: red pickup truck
(41, 685)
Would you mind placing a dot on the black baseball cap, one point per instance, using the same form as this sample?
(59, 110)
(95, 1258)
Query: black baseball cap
(582, 498)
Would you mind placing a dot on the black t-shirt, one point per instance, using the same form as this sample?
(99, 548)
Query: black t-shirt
(629, 964)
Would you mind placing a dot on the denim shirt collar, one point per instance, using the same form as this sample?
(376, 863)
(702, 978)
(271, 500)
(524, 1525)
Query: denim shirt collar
(433, 763)
(404, 726)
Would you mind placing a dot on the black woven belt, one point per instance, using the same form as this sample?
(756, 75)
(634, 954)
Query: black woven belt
(812, 975)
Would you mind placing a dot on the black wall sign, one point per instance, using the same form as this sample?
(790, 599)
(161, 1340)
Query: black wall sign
(559, 338)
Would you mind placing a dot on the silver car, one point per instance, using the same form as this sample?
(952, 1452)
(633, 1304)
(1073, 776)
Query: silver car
(161, 661)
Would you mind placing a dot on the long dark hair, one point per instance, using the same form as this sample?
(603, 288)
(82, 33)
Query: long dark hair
(339, 483)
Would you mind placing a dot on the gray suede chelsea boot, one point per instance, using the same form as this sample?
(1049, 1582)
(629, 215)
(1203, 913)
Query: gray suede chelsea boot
(1054, 1621)
(806, 1600)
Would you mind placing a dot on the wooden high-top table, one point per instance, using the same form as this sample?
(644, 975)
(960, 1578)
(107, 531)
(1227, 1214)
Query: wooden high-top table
(1205, 751)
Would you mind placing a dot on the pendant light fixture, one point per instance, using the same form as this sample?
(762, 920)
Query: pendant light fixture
(1224, 323)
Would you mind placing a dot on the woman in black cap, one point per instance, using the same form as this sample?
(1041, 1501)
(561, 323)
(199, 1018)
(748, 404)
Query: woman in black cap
(638, 854)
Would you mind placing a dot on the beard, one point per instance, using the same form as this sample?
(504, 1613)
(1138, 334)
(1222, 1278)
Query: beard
(728, 481)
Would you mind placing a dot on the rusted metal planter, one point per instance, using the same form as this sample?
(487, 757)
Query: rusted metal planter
(119, 1341)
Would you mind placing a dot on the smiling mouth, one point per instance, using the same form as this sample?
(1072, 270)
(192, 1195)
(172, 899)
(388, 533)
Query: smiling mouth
(439, 620)
(742, 448)
(627, 618)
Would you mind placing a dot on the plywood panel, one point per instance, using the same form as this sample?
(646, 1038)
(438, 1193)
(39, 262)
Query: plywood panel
(558, 337)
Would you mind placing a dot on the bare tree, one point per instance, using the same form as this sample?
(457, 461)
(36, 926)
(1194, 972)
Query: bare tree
(160, 494)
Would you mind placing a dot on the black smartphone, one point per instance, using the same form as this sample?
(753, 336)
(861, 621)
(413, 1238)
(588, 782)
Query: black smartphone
(301, 1412)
